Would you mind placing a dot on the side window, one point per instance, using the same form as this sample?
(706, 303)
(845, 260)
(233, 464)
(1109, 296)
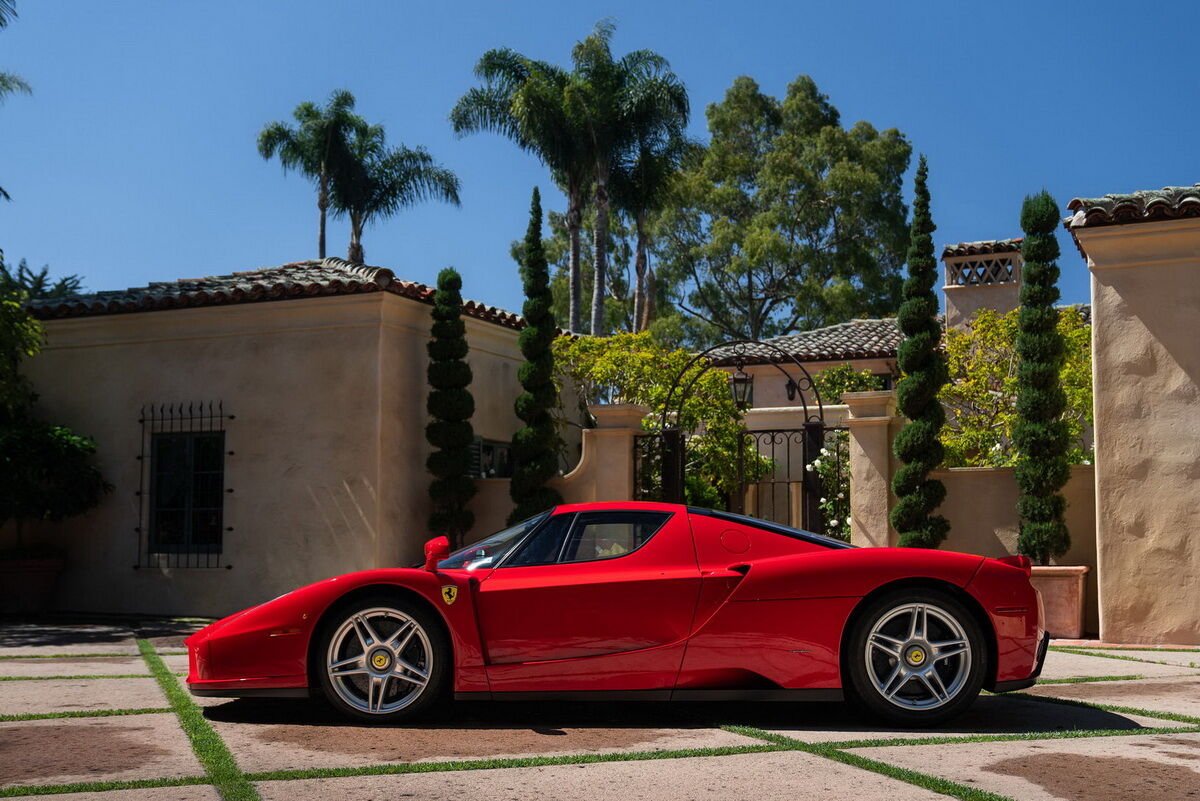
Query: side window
(545, 544)
(606, 535)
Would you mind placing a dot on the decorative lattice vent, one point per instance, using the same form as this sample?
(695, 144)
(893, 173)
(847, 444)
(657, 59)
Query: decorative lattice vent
(981, 272)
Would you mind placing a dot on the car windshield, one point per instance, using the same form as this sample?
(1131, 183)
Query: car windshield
(488, 552)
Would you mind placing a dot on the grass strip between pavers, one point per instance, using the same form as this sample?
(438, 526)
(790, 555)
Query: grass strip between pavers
(511, 762)
(85, 713)
(99, 787)
(830, 751)
(1086, 679)
(1071, 734)
(1124, 710)
(53, 678)
(85, 656)
(1089, 648)
(210, 749)
(1080, 652)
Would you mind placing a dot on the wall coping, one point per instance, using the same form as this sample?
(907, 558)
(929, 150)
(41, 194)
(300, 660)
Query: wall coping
(1072, 571)
(619, 415)
(880, 403)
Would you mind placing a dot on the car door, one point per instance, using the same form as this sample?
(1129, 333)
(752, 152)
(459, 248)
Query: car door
(596, 599)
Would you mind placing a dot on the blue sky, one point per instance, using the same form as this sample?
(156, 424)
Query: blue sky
(135, 158)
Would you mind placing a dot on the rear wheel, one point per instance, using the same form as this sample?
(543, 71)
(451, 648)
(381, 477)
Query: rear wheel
(916, 657)
(382, 658)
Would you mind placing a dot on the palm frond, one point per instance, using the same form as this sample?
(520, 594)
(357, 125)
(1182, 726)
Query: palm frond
(8, 12)
(11, 84)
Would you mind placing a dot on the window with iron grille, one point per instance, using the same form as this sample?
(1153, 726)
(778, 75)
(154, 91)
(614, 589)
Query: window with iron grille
(183, 485)
(491, 458)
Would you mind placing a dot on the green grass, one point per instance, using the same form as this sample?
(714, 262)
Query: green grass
(51, 678)
(210, 749)
(1123, 710)
(1086, 679)
(833, 752)
(1122, 657)
(86, 713)
(1072, 734)
(97, 787)
(1111, 648)
(71, 656)
(515, 762)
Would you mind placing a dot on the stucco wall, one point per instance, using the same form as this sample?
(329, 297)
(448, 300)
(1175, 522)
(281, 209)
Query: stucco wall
(328, 443)
(981, 505)
(770, 385)
(1146, 363)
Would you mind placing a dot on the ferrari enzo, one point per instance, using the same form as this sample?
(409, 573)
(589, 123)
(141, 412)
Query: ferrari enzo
(642, 601)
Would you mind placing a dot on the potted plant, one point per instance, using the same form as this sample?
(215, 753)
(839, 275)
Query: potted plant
(46, 471)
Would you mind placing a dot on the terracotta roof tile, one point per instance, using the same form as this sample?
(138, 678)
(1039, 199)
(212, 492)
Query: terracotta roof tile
(1169, 203)
(982, 247)
(302, 279)
(857, 339)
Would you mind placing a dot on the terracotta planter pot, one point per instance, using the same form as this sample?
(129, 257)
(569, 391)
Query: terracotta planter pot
(1063, 591)
(27, 585)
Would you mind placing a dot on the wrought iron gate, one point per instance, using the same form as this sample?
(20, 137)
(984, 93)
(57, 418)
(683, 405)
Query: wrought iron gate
(794, 476)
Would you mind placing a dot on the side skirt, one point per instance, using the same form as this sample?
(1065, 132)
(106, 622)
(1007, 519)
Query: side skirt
(282, 692)
(660, 695)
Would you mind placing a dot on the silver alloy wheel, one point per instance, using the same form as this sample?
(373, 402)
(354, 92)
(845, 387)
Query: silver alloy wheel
(918, 656)
(379, 660)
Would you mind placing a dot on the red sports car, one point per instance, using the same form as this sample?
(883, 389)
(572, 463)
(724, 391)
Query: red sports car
(642, 601)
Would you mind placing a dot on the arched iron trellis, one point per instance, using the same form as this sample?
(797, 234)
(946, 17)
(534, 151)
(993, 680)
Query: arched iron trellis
(738, 354)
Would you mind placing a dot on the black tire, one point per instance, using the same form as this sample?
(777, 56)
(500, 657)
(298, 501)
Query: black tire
(411, 641)
(915, 700)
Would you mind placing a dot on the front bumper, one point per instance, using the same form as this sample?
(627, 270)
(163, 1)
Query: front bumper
(1021, 684)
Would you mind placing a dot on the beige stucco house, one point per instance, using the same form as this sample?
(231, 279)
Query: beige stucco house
(262, 430)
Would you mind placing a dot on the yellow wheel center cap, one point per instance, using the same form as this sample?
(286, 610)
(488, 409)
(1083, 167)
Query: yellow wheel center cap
(916, 656)
(380, 660)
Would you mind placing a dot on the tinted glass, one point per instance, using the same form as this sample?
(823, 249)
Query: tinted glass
(545, 545)
(607, 535)
(488, 552)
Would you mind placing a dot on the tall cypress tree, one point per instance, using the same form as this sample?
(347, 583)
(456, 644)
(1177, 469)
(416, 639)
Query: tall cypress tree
(450, 405)
(535, 447)
(920, 358)
(1040, 433)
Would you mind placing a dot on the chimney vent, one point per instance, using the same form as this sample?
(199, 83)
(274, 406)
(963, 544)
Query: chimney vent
(981, 275)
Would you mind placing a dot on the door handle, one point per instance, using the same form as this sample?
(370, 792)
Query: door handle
(733, 571)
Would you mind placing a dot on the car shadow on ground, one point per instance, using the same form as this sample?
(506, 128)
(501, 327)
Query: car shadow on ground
(52, 630)
(988, 715)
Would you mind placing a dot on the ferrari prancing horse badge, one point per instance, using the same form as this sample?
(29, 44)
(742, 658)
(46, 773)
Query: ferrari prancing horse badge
(449, 593)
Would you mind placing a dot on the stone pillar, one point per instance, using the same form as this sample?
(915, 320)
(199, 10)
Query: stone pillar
(605, 469)
(872, 423)
(1146, 376)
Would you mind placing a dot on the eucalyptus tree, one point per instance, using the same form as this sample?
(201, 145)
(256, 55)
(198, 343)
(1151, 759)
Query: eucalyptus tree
(317, 146)
(618, 102)
(790, 220)
(377, 181)
(525, 100)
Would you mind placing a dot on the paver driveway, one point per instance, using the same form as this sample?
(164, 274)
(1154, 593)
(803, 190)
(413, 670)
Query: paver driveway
(99, 712)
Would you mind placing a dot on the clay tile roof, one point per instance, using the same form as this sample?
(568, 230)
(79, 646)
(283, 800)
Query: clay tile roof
(1169, 203)
(303, 279)
(982, 247)
(857, 339)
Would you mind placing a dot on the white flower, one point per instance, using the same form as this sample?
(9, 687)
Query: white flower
(841, 495)
(816, 463)
(808, 467)
(1087, 461)
(824, 452)
(833, 523)
(822, 500)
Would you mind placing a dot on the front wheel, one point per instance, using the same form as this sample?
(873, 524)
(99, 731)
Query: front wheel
(382, 658)
(916, 657)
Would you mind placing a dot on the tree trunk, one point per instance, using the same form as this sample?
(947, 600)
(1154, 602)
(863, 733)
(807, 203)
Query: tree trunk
(600, 252)
(648, 300)
(354, 253)
(322, 208)
(639, 266)
(574, 224)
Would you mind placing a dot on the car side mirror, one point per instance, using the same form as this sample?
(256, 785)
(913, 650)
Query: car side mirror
(436, 550)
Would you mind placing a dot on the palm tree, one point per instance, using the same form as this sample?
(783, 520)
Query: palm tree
(378, 182)
(618, 103)
(640, 187)
(525, 100)
(317, 146)
(9, 83)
